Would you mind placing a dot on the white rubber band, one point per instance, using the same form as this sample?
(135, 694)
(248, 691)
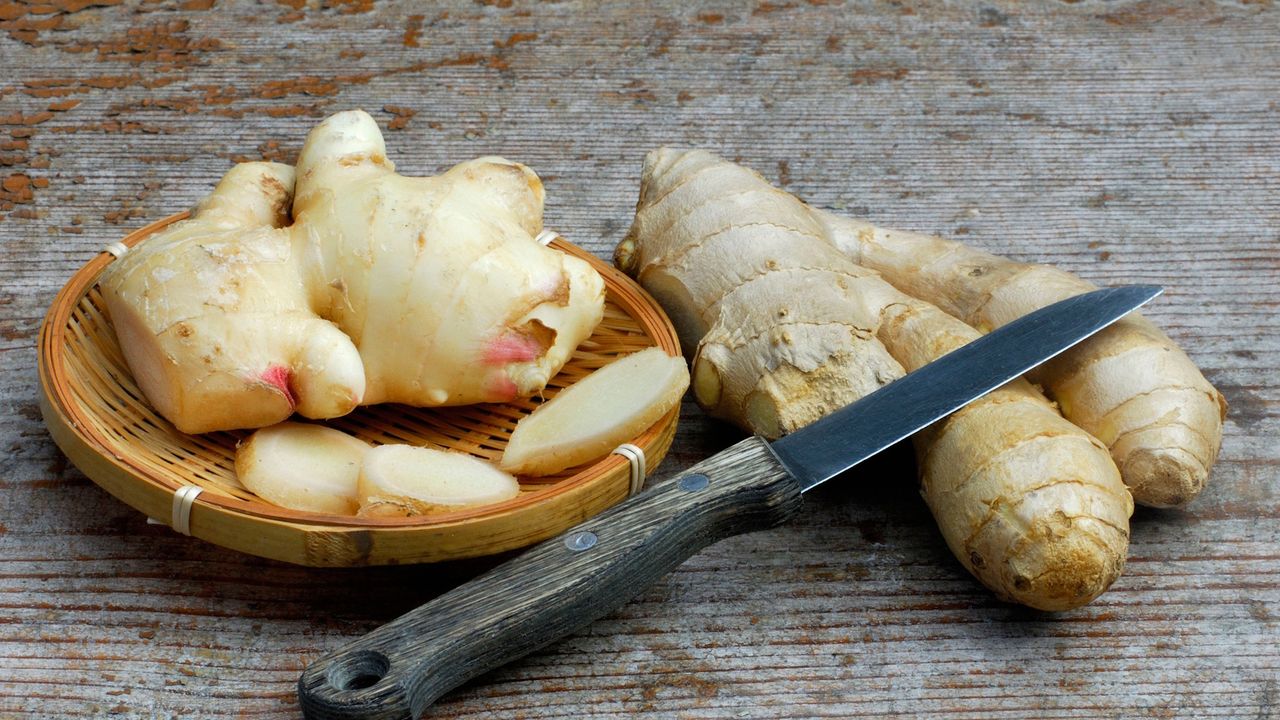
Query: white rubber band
(634, 456)
(182, 501)
(116, 248)
(546, 236)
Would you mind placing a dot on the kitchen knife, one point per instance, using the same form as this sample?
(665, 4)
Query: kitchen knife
(562, 584)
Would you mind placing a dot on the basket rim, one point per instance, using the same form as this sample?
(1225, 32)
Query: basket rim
(75, 427)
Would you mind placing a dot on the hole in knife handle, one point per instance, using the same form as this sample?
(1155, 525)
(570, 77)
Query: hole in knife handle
(359, 671)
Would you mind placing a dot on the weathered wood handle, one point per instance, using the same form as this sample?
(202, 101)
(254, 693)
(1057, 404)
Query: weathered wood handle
(555, 588)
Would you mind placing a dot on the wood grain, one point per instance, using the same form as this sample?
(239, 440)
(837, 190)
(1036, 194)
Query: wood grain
(1125, 141)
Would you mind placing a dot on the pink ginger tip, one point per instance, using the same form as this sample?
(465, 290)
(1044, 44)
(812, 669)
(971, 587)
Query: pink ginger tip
(510, 348)
(279, 377)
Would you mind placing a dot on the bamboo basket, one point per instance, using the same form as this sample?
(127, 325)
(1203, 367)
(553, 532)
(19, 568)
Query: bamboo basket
(100, 419)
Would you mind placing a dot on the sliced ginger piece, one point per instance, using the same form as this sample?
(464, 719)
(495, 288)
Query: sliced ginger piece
(404, 480)
(303, 467)
(596, 414)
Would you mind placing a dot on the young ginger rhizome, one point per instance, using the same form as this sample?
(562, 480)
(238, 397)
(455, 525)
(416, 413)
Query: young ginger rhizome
(425, 291)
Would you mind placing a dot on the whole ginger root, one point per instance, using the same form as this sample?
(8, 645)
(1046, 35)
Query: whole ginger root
(425, 291)
(1130, 385)
(784, 328)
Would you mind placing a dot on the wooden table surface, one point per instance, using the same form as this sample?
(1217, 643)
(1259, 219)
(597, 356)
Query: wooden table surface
(1126, 141)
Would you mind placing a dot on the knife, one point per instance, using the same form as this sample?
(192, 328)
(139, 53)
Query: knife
(564, 583)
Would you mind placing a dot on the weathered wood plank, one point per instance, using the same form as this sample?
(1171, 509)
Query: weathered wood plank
(1125, 141)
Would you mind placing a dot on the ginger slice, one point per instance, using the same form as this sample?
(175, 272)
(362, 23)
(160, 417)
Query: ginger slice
(404, 480)
(303, 467)
(597, 413)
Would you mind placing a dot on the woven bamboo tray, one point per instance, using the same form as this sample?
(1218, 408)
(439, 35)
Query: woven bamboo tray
(100, 419)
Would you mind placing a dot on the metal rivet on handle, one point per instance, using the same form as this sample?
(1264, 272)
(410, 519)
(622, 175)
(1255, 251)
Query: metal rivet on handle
(581, 540)
(694, 483)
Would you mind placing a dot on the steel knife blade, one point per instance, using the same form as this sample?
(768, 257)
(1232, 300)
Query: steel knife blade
(820, 451)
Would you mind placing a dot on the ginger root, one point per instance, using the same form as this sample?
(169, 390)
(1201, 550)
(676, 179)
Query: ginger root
(385, 288)
(214, 322)
(784, 328)
(1130, 385)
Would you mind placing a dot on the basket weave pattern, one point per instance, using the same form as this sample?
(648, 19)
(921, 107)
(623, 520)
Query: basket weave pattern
(101, 420)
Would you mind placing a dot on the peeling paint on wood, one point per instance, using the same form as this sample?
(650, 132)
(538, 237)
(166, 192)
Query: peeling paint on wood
(1125, 141)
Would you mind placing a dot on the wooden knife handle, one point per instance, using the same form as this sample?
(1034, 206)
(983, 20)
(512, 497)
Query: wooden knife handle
(553, 589)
